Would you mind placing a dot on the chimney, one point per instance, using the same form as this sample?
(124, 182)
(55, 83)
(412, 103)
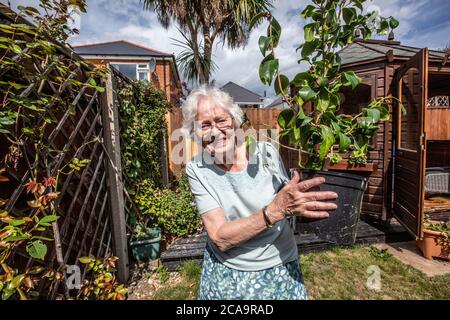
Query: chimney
(391, 36)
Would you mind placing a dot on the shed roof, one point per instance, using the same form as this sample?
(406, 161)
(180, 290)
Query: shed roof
(118, 48)
(362, 50)
(241, 94)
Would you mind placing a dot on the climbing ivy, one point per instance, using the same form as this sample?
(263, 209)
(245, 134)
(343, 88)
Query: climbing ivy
(142, 112)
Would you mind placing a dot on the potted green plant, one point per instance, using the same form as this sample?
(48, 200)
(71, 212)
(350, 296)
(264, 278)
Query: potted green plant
(313, 124)
(145, 242)
(436, 239)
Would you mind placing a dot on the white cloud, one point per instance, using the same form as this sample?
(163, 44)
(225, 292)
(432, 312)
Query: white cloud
(108, 20)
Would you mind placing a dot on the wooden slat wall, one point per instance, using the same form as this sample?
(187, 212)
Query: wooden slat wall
(437, 126)
(375, 203)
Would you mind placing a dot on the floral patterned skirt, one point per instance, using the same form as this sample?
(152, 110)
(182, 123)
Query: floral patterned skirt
(219, 282)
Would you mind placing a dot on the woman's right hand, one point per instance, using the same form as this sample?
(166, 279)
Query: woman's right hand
(294, 199)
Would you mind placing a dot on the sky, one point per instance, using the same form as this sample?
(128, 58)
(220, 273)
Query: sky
(423, 23)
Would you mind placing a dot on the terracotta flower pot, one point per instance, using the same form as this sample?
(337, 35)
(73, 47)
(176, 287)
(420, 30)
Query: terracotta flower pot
(434, 244)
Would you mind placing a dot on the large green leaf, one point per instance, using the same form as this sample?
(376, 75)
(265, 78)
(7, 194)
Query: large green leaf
(352, 78)
(327, 141)
(275, 27)
(300, 78)
(384, 27)
(344, 142)
(37, 249)
(281, 85)
(393, 23)
(374, 114)
(308, 48)
(309, 32)
(307, 11)
(267, 69)
(306, 93)
(285, 117)
(348, 14)
(264, 43)
(48, 219)
(323, 101)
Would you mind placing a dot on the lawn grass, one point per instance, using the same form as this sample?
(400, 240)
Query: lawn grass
(339, 274)
(343, 274)
(186, 289)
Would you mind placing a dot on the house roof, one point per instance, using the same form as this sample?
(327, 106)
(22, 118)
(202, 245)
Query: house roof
(362, 50)
(276, 103)
(118, 48)
(240, 94)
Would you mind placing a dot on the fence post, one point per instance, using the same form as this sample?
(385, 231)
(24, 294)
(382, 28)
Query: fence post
(111, 140)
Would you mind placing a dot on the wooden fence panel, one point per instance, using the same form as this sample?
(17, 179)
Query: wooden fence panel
(180, 146)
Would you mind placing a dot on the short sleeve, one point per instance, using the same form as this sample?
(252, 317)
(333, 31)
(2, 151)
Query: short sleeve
(203, 199)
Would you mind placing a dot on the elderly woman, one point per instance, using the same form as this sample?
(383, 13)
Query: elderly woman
(243, 199)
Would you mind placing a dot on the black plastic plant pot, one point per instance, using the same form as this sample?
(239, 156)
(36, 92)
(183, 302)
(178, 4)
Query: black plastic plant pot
(340, 227)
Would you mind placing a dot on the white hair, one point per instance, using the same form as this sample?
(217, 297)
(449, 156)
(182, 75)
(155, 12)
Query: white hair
(219, 98)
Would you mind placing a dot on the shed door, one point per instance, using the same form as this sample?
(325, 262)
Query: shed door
(411, 80)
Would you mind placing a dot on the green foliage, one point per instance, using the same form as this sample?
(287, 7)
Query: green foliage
(331, 24)
(381, 254)
(142, 129)
(171, 210)
(443, 227)
(103, 284)
(143, 109)
(190, 270)
(37, 84)
(163, 274)
(204, 22)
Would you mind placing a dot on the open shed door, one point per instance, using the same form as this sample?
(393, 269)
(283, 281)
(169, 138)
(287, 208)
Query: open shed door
(411, 80)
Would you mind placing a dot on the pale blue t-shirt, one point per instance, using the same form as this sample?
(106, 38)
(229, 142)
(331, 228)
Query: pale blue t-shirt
(240, 194)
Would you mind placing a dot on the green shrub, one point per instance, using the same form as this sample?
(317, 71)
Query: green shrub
(173, 211)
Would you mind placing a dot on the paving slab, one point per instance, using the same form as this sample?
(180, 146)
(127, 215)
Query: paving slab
(408, 253)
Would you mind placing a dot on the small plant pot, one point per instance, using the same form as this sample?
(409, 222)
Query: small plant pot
(434, 244)
(340, 227)
(147, 249)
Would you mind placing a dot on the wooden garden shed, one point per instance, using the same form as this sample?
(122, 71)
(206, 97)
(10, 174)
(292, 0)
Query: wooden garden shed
(413, 140)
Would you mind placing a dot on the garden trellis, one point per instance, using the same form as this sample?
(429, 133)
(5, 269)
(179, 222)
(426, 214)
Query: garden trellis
(92, 204)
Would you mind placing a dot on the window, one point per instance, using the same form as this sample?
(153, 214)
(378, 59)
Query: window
(139, 71)
(143, 71)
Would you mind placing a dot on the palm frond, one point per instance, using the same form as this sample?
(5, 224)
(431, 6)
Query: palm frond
(186, 60)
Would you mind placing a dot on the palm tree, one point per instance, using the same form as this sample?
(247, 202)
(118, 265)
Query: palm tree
(226, 20)
(186, 60)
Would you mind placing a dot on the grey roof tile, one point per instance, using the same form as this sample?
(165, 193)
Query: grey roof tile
(118, 48)
(361, 50)
(241, 94)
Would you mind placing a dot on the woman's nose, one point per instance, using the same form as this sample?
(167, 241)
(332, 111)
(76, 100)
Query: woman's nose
(215, 132)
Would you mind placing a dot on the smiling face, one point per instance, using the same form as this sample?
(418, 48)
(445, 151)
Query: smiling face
(215, 127)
